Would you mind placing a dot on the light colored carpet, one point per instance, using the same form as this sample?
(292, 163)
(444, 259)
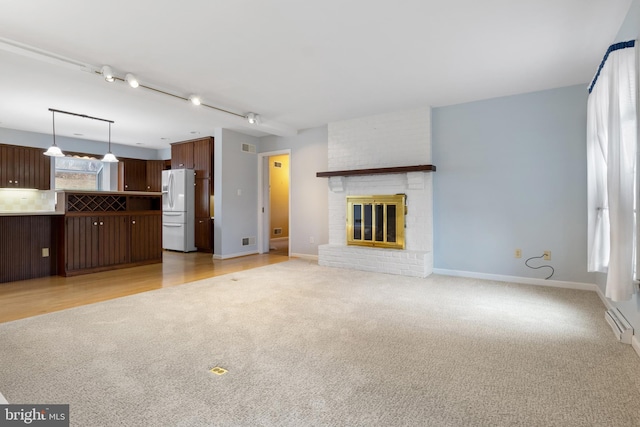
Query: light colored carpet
(313, 346)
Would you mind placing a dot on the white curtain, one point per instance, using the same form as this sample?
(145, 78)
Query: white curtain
(611, 166)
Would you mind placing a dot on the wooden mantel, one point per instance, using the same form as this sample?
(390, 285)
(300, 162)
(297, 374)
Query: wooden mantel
(376, 171)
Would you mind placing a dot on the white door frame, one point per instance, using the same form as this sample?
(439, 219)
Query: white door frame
(264, 206)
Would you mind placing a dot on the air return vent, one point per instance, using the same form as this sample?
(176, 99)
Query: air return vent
(248, 241)
(277, 164)
(248, 148)
(621, 328)
(277, 231)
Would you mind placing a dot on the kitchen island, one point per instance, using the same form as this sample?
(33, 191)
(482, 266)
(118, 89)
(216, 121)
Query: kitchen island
(107, 230)
(86, 232)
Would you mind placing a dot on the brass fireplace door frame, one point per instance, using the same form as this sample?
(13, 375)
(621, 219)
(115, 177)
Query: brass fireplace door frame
(396, 200)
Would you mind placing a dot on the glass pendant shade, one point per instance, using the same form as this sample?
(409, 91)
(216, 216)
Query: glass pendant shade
(109, 158)
(54, 151)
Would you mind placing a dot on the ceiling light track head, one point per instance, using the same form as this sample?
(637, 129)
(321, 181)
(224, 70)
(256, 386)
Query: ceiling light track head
(253, 118)
(132, 80)
(195, 99)
(107, 73)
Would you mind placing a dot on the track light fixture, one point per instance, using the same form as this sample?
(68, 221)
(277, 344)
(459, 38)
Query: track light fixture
(54, 150)
(107, 73)
(253, 118)
(195, 100)
(132, 80)
(109, 157)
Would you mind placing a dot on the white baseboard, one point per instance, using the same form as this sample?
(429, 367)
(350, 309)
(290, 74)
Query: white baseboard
(635, 343)
(604, 299)
(3, 401)
(304, 256)
(236, 255)
(518, 279)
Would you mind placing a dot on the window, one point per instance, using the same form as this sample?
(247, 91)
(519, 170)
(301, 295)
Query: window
(76, 173)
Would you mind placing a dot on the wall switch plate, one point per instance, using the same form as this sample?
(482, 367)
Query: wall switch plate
(518, 253)
(45, 252)
(547, 256)
(311, 240)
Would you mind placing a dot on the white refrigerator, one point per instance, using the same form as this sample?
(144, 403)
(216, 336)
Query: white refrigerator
(178, 210)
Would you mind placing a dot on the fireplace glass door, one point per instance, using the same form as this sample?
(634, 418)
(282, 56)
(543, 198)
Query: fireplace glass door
(376, 221)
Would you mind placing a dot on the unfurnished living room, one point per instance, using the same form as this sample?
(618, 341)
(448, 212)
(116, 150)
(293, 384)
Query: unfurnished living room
(243, 213)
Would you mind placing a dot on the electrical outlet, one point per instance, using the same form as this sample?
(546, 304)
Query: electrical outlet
(518, 253)
(547, 256)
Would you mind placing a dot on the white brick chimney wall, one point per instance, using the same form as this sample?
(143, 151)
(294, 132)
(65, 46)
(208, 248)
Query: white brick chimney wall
(386, 140)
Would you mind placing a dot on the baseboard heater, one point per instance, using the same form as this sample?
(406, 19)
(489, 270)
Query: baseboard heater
(621, 328)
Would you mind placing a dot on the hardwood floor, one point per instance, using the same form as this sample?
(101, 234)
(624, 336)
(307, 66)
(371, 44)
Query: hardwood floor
(48, 294)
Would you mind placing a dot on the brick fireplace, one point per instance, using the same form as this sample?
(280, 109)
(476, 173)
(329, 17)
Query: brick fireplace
(384, 150)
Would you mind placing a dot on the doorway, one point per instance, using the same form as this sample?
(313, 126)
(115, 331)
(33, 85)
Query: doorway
(275, 202)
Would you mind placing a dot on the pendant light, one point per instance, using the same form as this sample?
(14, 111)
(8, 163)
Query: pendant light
(54, 150)
(109, 157)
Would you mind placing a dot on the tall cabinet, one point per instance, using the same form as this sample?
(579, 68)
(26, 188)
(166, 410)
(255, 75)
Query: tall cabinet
(197, 154)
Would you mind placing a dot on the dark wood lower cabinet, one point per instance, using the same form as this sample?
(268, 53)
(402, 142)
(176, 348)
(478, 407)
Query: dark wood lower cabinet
(203, 238)
(94, 243)
(28, 246)
(146, 237)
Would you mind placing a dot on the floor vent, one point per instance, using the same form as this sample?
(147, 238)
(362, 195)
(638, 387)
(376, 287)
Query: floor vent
(248, 241)
(218, 370)
(248, 148)
(621, 328)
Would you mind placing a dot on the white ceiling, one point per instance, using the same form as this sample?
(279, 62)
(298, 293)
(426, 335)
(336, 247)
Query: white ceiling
(298, 64)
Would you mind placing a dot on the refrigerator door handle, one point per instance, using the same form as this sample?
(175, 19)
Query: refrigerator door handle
(172, 190)
(172, 225)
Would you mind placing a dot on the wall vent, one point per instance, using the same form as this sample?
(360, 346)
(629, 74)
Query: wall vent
(621, 328)
(277, 164)
(248, 241)
(248, 148)
(277, 231)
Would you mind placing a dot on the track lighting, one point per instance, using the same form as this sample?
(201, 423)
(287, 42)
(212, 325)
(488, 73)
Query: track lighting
(132, 80)
(253, 118)
(54, 150)
(195, 100)
(107, 73)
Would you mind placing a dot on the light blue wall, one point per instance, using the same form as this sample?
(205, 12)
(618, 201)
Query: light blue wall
(309, 197)
(41, 140)
(236, 215)
(511, 173)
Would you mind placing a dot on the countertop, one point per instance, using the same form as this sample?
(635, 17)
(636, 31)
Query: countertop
(121, 193)
(29, 213)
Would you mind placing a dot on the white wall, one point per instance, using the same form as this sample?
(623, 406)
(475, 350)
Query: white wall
(235, 194)
(309, 211)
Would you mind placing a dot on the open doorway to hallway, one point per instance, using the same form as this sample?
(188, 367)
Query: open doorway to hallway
(279, 204)
(274, 210)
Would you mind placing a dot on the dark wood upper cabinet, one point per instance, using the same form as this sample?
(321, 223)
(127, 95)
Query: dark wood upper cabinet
(203, 157)
(154, 175)
(182, 155)
(24, 167)
(132, 174)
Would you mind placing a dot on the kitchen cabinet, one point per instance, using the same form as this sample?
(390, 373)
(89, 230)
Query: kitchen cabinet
(182, 155)
(203, 240)
(132, 175)
(24, 167)
(146, 237)
(96, 241)
(198, 154)
(106, 230)
(21, 247)
(203, 157)
(154, 175)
